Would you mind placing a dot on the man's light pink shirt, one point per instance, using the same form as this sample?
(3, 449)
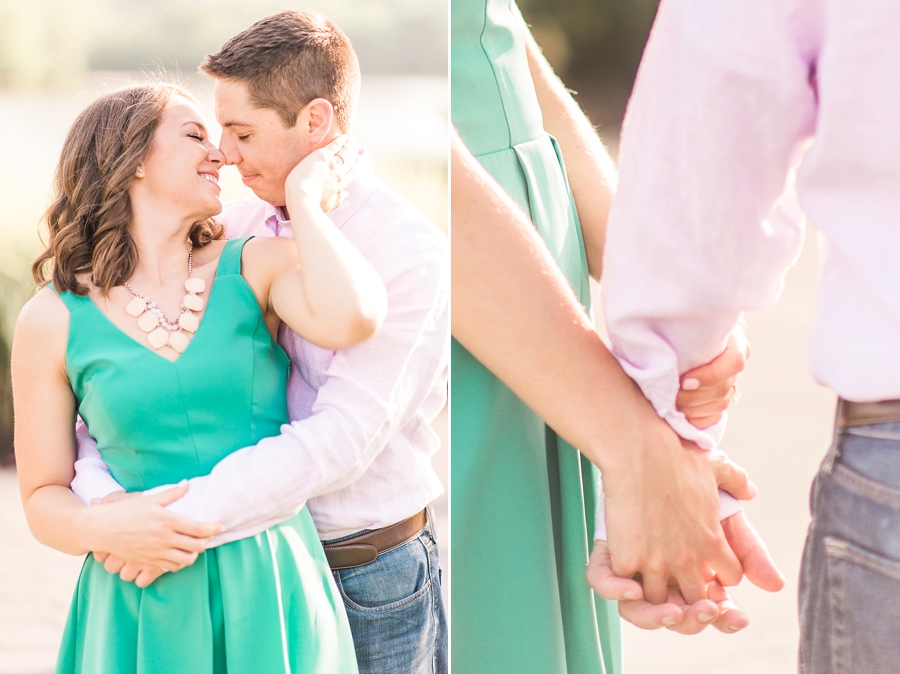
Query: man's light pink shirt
(730, 98)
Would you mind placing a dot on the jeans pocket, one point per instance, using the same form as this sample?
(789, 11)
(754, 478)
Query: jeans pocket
(393, 581)
(864, 590)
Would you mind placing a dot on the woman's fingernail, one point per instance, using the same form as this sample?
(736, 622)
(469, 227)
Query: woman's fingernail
(733, 628)
(630, 595)
(705, 617)
(754, 489)
(690, 384)
(668, 621)
(183, 483)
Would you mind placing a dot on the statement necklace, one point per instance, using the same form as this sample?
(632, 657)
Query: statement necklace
(160, 330)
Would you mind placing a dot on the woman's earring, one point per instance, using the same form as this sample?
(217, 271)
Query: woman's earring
(140, 172)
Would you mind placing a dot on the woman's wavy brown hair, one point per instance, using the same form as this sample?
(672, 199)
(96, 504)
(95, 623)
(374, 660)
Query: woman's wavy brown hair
(90, 216)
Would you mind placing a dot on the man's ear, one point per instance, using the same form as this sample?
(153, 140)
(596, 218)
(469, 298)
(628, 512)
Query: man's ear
(319, 117)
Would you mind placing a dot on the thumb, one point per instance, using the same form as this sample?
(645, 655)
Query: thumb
(753, 554)
(733, 479)
(603, 581)
(168, 496)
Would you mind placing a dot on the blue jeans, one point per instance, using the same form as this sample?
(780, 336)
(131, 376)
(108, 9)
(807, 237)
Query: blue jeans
(850, 578)
(396, 610)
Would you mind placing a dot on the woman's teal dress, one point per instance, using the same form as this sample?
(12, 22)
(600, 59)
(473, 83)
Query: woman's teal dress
(265, 604)
(523, 499)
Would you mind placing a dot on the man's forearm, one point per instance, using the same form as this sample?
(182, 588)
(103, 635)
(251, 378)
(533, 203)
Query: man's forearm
(92, 477)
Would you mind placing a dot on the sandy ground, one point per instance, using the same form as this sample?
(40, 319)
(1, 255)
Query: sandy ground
(779, 431)
(36, 583)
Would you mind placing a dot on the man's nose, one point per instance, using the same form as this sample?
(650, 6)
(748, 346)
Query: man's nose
(229, 149)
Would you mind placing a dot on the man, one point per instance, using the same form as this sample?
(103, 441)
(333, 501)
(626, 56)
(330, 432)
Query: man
(358, 451)
(705, 226)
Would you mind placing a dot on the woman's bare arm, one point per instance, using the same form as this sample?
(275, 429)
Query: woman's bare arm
(45, 454)
(590, 169)
(514, 311)
(322, 286)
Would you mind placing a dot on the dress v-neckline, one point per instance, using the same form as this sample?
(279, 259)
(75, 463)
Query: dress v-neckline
(149, 348)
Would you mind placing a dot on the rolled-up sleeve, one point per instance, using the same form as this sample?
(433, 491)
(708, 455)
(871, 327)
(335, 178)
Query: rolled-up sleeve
(704, 225)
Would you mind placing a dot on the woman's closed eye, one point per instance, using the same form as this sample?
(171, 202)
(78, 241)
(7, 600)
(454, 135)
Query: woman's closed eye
(197, 136)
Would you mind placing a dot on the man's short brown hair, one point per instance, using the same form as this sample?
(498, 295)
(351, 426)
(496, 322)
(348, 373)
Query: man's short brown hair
(287, 60)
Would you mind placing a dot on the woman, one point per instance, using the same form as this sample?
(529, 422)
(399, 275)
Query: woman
(527, 364)
(160, 335)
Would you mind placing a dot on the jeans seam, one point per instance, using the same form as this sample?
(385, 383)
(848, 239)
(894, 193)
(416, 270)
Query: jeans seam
(434, 615)
(837, 601)
(859, 484)
(864, 432)
(837, 548)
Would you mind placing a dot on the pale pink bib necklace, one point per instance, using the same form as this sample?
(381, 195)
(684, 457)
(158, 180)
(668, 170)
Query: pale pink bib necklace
(160, 330)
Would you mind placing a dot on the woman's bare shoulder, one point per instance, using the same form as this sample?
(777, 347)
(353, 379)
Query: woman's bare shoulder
(43, 325)
(271, 244)
(269, 252)
(44, 310)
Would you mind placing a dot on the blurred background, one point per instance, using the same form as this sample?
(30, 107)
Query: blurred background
(58, 55)
(780, 429)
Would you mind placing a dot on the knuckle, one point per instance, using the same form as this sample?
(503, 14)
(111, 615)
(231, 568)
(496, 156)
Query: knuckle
(686, 560)
(656, 566)
(626, 567)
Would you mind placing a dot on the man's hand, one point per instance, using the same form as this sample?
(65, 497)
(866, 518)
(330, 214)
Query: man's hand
(322, 176)
(707, 391)
(675, 613)
(141, 574)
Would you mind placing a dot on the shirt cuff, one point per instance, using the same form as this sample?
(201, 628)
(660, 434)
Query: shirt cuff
(92, 480)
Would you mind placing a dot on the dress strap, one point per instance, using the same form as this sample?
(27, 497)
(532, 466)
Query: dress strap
(70, 299)
(230, 259)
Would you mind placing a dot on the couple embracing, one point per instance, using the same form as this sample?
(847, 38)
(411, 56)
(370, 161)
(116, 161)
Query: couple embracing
(251, 465)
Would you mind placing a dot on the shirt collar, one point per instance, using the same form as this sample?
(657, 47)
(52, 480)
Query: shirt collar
(358, 192)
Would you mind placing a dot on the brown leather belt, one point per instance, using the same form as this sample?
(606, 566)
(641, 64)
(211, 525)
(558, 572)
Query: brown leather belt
(860, 414)
(365, 549)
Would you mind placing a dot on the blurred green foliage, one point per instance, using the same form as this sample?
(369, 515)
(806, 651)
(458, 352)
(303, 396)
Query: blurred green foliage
(15, 292)
(43, 41)
(50, 42)
(605, 36)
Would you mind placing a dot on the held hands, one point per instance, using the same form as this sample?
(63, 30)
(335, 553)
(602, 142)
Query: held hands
(685, 594)
(143, 540)
(676, 613)
(323, 175)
